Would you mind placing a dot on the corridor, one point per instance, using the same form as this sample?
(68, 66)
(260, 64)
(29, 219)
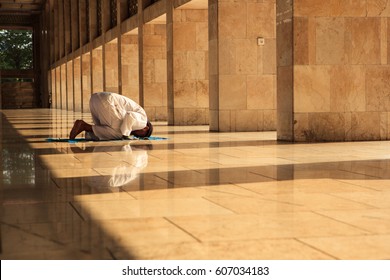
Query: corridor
(194, 195)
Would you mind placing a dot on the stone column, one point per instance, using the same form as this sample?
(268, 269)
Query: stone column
(284, 29)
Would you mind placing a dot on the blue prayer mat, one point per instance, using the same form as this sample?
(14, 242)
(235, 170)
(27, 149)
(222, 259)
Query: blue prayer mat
(77, 140)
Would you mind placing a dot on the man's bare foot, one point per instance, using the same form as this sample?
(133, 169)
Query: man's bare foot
(78, 127)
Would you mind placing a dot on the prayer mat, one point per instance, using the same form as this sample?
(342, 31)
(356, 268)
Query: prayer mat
(77, 140)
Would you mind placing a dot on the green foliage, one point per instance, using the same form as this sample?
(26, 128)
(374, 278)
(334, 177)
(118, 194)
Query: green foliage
(16, 49)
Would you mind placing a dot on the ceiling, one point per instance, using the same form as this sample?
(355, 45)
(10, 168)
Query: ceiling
(19, 12)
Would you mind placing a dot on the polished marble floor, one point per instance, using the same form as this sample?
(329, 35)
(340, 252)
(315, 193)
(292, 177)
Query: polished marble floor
(195, 195)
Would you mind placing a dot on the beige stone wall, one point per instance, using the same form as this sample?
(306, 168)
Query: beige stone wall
(53, 87)
(57, 93)
(63, 92)
(130, 66)
(155, 71)
(97, 66)
(341, 72)
(69, 85)
(242, 74)
(190, 79)
(111, 66)
(77, 94)
(86, 78)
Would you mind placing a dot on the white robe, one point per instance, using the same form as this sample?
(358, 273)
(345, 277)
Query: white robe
(115, 115)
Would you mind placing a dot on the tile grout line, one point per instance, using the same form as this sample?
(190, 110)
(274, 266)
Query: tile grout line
(315, 248)
(366, 232)
(182, 229)
(77, 211)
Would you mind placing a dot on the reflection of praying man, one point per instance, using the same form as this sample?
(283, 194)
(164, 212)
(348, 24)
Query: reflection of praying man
(115, 117)
(132, 160)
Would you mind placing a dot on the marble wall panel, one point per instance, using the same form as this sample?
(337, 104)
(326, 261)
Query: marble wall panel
(154, 95)
(97, 70)
(77, 84)
(230, 19)
(225, 121)
(378, 88)
(388, 126)
(269, 119)
(226, 49)
(384, 41)
(63, 82)
(365, 126)
(185, 94)
(301, 40)
(111, 66)
(331, 8)
(246, 54)
(347, 88)
(318, 127)
(261, 92)
(190, 67)
(384, 125)
(57, 92)
(191, 116)
(130, 66)
(269, 58)
(378, 8)
(86, 78)
(69, 85)
(53, 91)
(312, 8)
(246, 71)
(232, 89)
(155, 71)
(362, 44)
(340, 70)
(330, 40)
(247, 120)
(202, 38)
(202, 94)
(184, 36)
(325, 127)
(261, 19)
(301, 124)
(312, 88)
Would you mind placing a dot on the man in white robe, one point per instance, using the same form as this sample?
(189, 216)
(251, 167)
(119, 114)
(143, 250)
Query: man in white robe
(115, 117)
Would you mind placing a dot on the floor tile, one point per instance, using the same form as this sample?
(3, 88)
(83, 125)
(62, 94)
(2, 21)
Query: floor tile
(371, 220)
(365, 247)
(266, 225)
(268, 249)
(114, 209)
